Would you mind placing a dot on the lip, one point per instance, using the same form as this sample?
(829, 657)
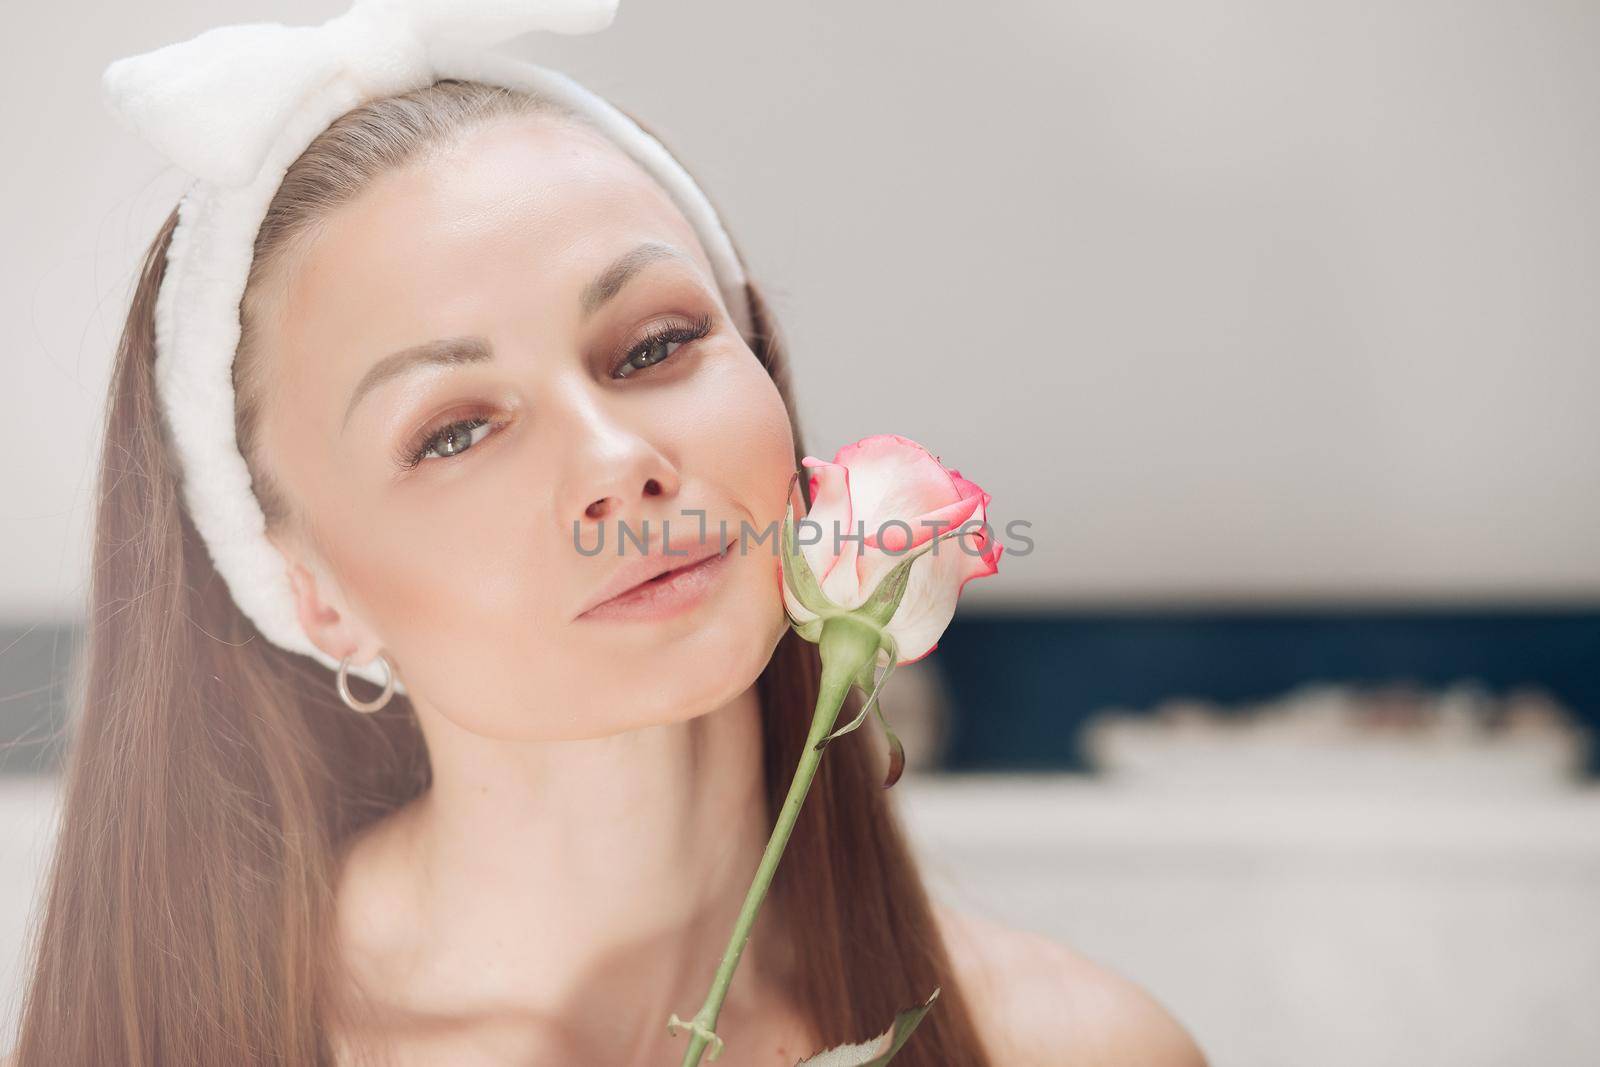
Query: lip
(632, 591)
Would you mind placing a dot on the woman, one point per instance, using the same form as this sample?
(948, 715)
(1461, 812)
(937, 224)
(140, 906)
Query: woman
(536, 853)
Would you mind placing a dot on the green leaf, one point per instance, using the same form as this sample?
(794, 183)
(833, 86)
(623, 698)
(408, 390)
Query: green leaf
(797, 573)
(881, 1049)
(811, 631)
(866, 677)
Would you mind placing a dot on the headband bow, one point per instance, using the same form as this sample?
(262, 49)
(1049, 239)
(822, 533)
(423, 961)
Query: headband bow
(234, 107)
(215, 103)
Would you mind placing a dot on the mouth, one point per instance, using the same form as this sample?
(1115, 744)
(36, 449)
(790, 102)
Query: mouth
(668, 574)
(669, 591)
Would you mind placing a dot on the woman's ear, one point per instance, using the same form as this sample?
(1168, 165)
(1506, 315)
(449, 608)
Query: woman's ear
(323, 613)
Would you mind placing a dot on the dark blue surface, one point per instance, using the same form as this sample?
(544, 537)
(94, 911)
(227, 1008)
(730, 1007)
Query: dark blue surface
(1024, 684)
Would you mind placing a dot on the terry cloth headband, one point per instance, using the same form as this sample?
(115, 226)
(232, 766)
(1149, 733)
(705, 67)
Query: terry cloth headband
(234, 107)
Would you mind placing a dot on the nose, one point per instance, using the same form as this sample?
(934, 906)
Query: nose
(616, 469)
(615, 505)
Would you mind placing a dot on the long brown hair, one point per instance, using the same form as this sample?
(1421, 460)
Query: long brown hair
(213, 778)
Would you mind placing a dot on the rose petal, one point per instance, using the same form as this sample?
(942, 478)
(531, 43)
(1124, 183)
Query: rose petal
(894, 477)
(874, 562)
(891, 536)
(936, 583)
(822, 537)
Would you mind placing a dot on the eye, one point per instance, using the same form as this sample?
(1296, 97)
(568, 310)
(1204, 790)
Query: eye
(658, 345)
(450, 440)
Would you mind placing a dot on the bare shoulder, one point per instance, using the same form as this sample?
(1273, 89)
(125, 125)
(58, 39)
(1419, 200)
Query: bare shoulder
(1042, 1004)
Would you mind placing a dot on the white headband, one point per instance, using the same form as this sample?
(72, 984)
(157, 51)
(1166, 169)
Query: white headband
(234, 107)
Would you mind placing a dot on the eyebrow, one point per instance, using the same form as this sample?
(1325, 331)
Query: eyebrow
(454, 351)
(609, 282)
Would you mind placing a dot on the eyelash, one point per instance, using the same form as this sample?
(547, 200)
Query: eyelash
(413, 455)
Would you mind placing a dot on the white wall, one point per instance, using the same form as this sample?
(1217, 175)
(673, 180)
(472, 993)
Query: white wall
(1227, 297)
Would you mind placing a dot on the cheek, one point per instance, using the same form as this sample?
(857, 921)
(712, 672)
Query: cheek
(448, 570)
(748, 448)
(468, 598)
(749, 454)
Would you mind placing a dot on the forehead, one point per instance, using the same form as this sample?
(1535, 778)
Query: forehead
(513, 217)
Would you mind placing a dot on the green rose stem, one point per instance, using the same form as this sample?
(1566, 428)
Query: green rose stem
(848, 646)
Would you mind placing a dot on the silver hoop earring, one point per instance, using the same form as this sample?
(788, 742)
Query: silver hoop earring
(362, 705)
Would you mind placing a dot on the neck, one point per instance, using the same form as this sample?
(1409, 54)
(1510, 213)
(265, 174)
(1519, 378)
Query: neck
(593, 882)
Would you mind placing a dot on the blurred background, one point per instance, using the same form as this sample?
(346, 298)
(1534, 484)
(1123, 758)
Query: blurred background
(1271, 324)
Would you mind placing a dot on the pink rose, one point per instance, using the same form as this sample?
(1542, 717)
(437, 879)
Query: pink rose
(879, 502)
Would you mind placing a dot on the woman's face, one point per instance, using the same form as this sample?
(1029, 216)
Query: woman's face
(452, 506)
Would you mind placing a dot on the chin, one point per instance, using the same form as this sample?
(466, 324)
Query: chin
(657, 682)
(738, 649)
